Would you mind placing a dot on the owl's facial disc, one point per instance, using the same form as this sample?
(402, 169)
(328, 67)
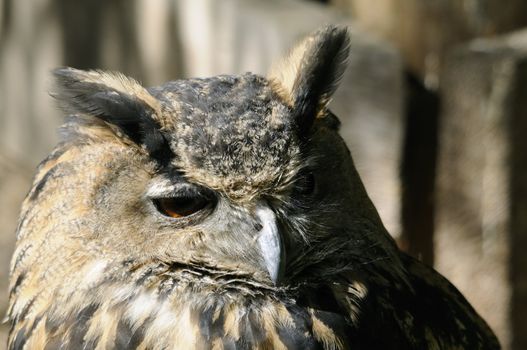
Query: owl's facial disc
(249, 234)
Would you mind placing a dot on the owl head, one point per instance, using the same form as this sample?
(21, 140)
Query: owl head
(242, 176)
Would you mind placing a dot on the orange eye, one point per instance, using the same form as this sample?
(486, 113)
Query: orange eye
(179, 207)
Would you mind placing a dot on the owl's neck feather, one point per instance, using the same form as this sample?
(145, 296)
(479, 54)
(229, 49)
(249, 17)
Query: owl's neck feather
(177, 307)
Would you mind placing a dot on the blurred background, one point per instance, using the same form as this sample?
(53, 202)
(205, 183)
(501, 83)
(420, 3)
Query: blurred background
(433, 105)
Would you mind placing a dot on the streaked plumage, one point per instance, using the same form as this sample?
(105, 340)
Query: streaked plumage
(218, 213)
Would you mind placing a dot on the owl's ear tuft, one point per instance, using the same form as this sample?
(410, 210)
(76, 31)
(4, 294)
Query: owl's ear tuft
(117, 100)
(309, 75)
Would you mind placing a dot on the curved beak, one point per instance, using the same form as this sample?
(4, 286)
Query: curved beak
(271, 243)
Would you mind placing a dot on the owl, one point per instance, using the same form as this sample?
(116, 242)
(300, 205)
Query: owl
(218, 213)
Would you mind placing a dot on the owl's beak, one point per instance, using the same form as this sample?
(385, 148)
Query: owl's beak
(271, 243)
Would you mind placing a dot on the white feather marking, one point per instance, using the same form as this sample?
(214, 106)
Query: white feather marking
(172, 326)
(141, 307)
(160, 187)
(94, 272)
(123, 293)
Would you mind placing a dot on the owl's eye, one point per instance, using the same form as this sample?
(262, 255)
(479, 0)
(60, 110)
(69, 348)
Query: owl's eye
(305, 184)
(180, 207)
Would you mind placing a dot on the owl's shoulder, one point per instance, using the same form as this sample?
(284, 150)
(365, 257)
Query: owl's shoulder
(426, 311)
